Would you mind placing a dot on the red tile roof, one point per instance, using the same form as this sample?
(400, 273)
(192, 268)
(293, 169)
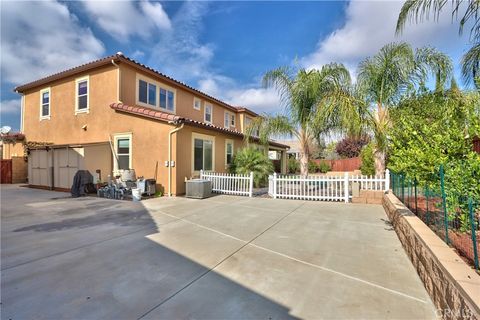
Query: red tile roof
(168, 117)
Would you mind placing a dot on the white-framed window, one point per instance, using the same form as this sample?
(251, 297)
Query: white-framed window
(208, 113)
(147, 93)
(203, 153)
(82, 91)
(123, 151)
(248, 122)
(226, 120)
(45, 98)
(228, 152)
(232, 120)
(153, 94)
(197, 104)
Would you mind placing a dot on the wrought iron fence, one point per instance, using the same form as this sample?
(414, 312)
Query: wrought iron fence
(455, 219)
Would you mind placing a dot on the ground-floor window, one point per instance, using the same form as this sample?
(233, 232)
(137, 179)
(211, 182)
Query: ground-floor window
(123, 149)
(228, 152)
(203, 153)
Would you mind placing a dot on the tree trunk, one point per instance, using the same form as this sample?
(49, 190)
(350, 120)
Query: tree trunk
(303, 164)
(379, 157)
(304, 152)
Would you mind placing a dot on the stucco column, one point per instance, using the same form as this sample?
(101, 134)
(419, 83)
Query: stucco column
(284, 162)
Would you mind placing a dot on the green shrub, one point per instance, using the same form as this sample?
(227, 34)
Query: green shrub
(368, 161)
(293, 165)
(312, 167)
(324, 167)
(252, 160)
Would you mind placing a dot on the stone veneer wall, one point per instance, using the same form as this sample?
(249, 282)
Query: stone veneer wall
(453, 286)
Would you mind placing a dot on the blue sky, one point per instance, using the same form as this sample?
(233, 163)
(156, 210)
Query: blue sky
(222, 48)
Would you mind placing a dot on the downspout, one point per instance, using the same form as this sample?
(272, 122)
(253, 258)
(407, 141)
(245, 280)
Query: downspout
(170, 157)
(118, 80)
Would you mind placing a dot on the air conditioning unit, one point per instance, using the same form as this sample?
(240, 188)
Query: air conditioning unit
(199, 189)
(147, 186)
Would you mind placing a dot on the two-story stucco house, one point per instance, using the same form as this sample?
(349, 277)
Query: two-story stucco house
(115, 113)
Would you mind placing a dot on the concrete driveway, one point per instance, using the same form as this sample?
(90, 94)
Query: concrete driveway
(224, 257)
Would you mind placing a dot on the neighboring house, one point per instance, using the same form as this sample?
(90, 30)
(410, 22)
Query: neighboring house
(115, 113)
(13, 161)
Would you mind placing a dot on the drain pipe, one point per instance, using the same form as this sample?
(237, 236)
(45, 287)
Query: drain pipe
(170, 156)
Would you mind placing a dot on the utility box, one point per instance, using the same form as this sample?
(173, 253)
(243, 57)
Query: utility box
(199, 189)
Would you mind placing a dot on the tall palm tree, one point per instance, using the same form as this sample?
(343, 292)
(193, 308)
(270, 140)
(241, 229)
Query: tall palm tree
(384, 78)
(306, 95)
(419, 10)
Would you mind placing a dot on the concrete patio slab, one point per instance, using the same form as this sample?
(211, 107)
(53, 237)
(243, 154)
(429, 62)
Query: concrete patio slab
(223, 257)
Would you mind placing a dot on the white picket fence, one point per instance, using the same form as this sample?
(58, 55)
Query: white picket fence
(327, 188)
(227, 183)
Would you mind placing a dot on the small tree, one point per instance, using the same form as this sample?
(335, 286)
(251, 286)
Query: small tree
(350, 147)
(252, 160)
(368, 162)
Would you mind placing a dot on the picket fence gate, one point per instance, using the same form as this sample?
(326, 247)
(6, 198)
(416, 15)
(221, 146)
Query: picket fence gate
(229, 183)
(327, 188)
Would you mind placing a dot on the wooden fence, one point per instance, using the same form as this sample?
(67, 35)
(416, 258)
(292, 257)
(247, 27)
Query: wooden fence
(227, 183)
(344, 165)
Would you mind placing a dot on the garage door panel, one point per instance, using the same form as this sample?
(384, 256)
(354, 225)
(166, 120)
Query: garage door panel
(38, 168)
(66, 163)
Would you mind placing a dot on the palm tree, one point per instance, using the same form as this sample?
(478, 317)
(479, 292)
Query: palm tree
(384, 78)
(307, 96)
(252, 160)
(419, 10)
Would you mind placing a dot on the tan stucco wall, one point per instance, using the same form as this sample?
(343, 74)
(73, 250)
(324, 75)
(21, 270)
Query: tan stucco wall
(64, 126)
(10, 150)
(184, 99)
(184, 155)
(98, 157)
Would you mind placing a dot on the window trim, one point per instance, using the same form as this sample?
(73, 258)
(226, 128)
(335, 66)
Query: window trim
(195, 99)
(229, 141)
(158, 85)
(77, 81)
(202, 137)
(208, 105)
(47, 117)
(116, 137)
(228, 116)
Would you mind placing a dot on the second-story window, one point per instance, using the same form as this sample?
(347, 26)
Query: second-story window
(82, 95)
(167, 99)
(227, 120)
(45, 104)
(232, 121)
(147, 93)
(208, 113)
(197, 103)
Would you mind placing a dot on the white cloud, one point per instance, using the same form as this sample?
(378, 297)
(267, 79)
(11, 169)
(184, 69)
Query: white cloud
(188, 59)
(39, 38)
(179, 52)
(371, 24)
(10, 106)
(123, 19)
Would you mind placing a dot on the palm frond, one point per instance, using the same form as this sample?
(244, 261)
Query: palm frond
(471, 66)
(417, 11)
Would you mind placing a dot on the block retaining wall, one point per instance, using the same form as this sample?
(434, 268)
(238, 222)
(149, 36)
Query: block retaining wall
(453, 286)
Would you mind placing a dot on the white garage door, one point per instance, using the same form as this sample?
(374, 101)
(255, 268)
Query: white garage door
(66, 162)
(39, 172)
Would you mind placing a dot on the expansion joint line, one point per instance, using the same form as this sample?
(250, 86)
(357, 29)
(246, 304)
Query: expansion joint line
(246, 243)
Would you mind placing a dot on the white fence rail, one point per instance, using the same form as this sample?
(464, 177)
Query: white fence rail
(227, 183)
(328, 188)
